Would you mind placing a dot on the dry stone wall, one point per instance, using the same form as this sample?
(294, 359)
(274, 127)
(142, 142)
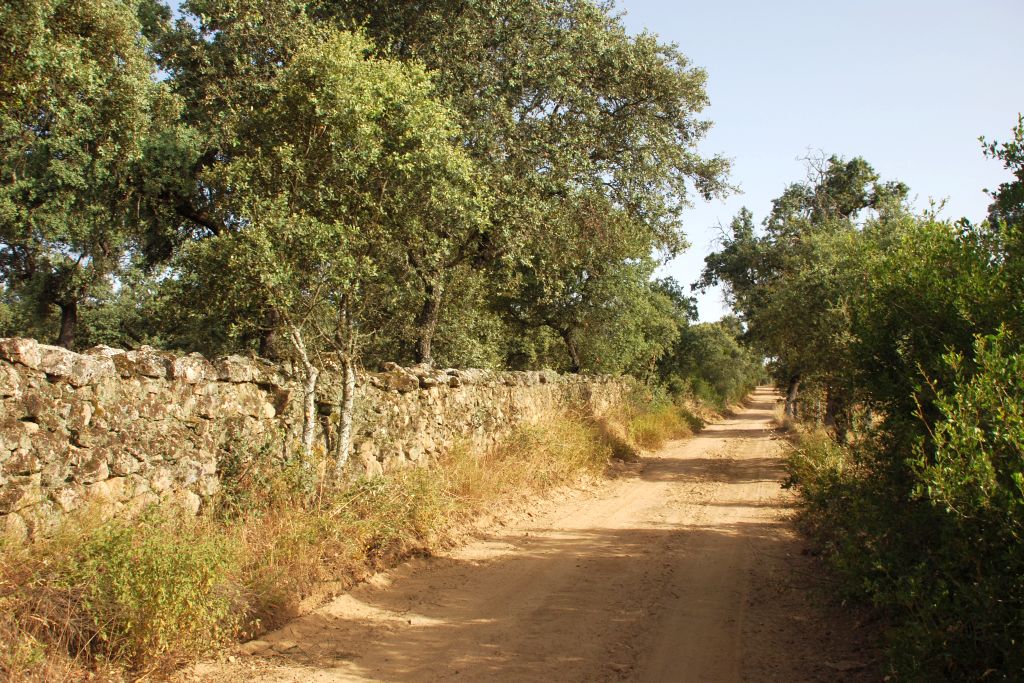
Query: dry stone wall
(124, 429)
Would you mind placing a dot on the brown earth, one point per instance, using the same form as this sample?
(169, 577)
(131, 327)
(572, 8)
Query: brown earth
(687, 569)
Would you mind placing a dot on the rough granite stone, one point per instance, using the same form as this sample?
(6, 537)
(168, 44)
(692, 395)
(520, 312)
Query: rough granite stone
(75, 369)
(129, 429)
(192, 369)
(20, 350)
(236, 369)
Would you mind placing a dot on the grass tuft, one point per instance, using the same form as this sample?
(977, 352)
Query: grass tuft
(652, 429)
(143, 593)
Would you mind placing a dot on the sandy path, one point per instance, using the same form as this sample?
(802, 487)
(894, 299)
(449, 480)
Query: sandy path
(686, 571)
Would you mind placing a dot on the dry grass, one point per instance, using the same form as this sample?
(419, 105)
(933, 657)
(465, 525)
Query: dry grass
(535, 458)
(652, 430)
(783, 422)
(118, 598)
(817, 462)
(102, 594)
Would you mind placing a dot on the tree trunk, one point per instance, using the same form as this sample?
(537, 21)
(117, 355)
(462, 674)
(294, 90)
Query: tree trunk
(426, 322)
(270, 335)
(68, 324)
(573, 349)
(836, 419)
(792, 394)
(347, 343)
(308, 396)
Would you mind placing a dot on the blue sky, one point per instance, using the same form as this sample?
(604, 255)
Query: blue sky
(909, 85)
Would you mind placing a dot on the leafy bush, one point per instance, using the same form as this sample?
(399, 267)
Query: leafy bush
(969, 616)
(139, 593)
(944, 562)
(838, 493)
(710, 365)
(153, 587)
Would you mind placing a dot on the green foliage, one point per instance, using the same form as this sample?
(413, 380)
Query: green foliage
(150, 590)
(790, 283)
(710, 364)
(1008, 199)
(976, 467)
(311, 217)
(637, 321)
(919, 508)
(138, 593)
(499, 178)
(973, 474)
(586, 135)
(848, 511)
(943, 562)
(78, 101)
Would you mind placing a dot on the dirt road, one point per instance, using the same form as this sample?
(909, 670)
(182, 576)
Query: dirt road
(686, 570)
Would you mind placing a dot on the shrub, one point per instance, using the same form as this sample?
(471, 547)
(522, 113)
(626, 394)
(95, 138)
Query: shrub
(969, 615)
(139, 593)
(153, 587)
(934, 541)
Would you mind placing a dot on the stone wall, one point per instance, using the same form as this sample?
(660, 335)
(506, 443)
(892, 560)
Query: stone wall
(128, 428)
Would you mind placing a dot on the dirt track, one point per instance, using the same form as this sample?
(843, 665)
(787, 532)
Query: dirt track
(686, 570)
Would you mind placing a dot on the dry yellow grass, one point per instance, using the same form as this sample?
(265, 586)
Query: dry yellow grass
(118, 596)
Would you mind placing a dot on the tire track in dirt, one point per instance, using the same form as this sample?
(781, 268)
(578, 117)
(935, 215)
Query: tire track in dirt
(687, 570)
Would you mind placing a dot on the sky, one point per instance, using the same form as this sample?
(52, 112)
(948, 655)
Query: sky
(909, 85)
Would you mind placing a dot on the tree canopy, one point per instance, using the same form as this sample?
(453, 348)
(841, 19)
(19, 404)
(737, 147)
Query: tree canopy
(518, 185)
(466, 183)
(78, 100)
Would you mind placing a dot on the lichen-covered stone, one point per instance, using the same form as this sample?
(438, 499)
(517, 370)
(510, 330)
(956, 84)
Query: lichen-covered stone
(108, 491)
(69, 497)
(74, 368)
(432, 378)
(192, 369)
(10, 383)
(161, 480)
(104, 350)
(16, 435)
(185, 500)
(123, 463)
(401, 381)
(73, 430)
(208, 486)
(22, 462)
(19, 493)
(143, 362)
(237, 369)
(20, 350)
(89, 466)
